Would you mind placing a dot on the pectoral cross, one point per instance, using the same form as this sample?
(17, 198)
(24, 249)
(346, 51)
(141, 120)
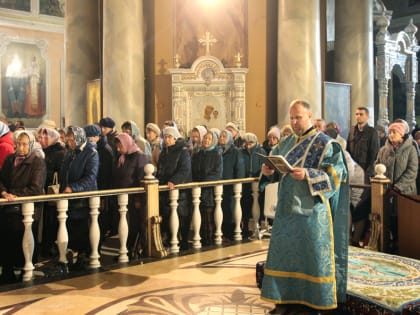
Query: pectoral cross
(207, 41)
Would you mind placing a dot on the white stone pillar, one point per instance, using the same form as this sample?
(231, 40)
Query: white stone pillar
(353, 61)
(82, 57)
(299, 56)
(123, 61)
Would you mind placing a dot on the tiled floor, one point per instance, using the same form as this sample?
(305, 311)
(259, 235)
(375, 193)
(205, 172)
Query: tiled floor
(218, 281)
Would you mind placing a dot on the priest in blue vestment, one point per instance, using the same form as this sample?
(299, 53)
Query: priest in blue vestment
(306, 268)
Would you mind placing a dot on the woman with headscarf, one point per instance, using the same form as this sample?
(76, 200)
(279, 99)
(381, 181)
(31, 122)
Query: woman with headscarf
(54, 151)
(128, 171)
(78, 173)
(233, 167)
(6, 142)
(23, 174)
(174, 167)
(400, 157)
(153, 137)
(207, 165)
(252, 166)
(196, 136)
(132, 129)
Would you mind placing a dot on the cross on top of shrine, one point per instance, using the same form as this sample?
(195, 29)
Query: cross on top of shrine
(207, 41)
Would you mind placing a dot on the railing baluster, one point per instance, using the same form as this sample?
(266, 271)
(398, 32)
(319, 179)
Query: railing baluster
(123, 227)
(237, 213)
(62, 233)
(196, 217)
(28, 240)
(218, 214)
(174, 220)
(255, 224)
(94, 232)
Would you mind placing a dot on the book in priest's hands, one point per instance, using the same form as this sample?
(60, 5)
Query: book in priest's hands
(276, 162)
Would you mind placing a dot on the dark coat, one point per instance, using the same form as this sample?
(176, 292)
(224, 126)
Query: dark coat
(251, 161)
(27, 179)
(233, 164)
(106, 162)
(80, 169)
(54, 156)
(363, 147)
(131, 172)
(174, 166)
(207, 166)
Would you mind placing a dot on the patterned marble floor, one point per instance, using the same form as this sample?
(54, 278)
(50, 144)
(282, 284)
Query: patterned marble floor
(219, 281)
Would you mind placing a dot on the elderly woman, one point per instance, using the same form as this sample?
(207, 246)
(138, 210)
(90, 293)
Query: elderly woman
(54, 151)
(78, 173)
(252, 165)
(400, 157)
(22, 174)
(207, 165)
(174, 167)
(127, 172)
(233, 167)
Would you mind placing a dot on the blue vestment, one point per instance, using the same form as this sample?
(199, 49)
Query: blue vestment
(307, 257)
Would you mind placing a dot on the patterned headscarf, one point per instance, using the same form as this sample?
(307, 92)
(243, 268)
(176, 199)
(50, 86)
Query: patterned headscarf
(16, 135)
(52, 136)
(3, 129)
(79, 135)
(128, 146)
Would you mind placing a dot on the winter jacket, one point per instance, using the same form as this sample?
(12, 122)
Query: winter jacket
(401, 165)
(7, 147)
(80, 168)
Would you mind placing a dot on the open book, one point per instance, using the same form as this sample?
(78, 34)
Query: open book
(276, 162)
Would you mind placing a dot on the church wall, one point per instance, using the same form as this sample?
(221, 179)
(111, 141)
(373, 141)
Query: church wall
(239, 27)
(54, 54)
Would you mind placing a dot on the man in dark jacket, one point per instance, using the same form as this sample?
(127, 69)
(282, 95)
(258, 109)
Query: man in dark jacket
(363, 143)
(363, 146)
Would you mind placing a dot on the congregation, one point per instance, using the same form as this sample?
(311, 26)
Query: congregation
(98, 157)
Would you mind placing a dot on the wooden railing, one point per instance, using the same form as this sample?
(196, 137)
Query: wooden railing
(151, 188)
(148, 186)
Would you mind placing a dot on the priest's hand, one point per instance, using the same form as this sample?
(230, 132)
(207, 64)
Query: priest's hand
(267, 171)
(298, 173)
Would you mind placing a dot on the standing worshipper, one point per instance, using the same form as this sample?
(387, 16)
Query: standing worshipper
(363, 146)
(400, 157)
(233, 167)
(54, 151)
(127, 172)
(252, 165)
(306, 269)
(108, 212)
(78, 173)
(132, 129)
(23, 174)
(155, 141)
(207, 165)
(237, 139)
(174, 167)
(107, 125)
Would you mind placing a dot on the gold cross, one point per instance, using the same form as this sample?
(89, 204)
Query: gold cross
(207, 41)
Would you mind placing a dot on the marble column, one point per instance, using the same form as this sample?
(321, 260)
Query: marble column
(299, 56)
(82, 61)
(123, 62)
(353, 61)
